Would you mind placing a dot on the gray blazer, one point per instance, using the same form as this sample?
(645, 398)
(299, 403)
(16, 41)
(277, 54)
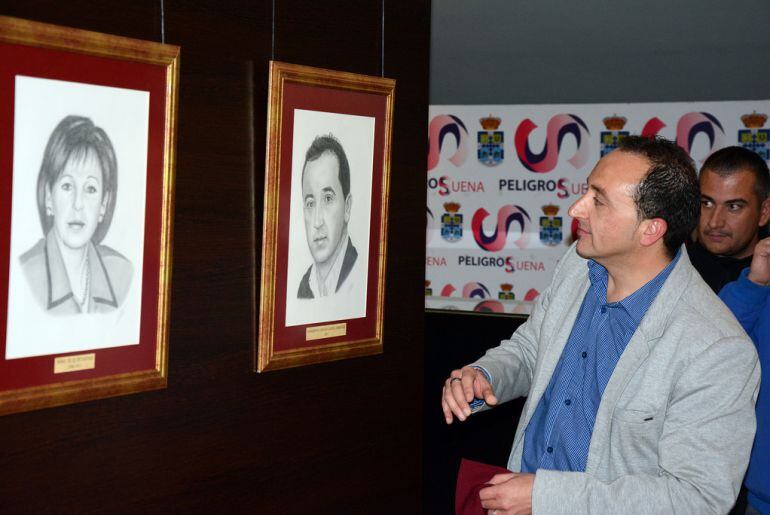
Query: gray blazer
(676, 422)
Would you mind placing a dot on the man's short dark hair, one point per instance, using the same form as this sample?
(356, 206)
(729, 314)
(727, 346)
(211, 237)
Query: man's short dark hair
(730, 160)
(669, 189)
(323, 144)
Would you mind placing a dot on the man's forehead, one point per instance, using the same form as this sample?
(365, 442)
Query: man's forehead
(618, 173)
(740, 184)
(322, 172)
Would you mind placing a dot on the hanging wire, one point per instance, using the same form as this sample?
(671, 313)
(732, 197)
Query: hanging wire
(272, 35)
(382, 42)
(162, 22)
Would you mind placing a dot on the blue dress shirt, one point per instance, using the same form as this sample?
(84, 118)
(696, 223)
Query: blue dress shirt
(559, 433)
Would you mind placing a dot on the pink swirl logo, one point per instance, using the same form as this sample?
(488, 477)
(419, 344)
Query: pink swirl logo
(472, 290)
(692, 124)
(447, 290)
(475, 291)
(440, 127)
(558, 128)
(506, 216)
(652, 127)
(489, 306)
(531, 295)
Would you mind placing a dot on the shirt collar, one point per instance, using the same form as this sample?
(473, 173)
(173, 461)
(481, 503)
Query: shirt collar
(636, 304)
(58, 283)
(329, 286)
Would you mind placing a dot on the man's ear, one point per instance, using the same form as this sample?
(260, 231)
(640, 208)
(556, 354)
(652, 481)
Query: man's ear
(348, 204)
(764, 212)
(652, 230)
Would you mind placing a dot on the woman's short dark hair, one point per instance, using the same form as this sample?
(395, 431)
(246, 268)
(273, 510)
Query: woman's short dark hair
(669, 190)
(75, 138)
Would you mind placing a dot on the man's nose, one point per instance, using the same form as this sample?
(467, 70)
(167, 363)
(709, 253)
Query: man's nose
(318, 219)
(716, 218)
(577, 210)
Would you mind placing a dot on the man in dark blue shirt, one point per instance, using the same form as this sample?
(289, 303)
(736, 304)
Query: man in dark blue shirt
(640, 384)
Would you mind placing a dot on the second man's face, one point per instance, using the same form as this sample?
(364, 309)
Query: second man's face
(731, 214)
(326, 210)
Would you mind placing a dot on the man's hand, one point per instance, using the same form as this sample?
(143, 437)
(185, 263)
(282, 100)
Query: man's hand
(760, 265)
(460, 389)
(511, 494)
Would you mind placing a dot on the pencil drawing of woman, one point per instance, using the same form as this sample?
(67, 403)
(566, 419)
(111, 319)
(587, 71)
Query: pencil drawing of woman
(68, 270)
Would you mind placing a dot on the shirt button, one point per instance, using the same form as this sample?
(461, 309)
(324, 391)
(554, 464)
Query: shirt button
(568, 402)
(604, 309)
(583, 354)
(549, 450)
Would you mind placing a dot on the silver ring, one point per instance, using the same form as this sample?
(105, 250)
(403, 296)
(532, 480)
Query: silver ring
(455, 379)
(494, 512)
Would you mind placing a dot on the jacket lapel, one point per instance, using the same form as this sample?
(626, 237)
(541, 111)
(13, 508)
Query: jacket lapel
(649, 331)
(101, 287)
(58, 284)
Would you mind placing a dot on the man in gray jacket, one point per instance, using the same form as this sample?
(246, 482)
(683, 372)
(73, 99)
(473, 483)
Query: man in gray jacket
(640, 383)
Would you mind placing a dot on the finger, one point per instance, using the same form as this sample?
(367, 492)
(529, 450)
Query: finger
(458, 393)
(454, 407)
(482, 389)
(487, 494)
(480, 384)
(445, 407)
(467, 383)
(763, 247)
(501, 478)
(487, 394)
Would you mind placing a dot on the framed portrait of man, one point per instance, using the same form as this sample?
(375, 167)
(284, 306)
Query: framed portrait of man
(325, 218)
(85, 236)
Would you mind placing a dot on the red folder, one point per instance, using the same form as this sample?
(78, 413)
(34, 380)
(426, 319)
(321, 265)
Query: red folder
(472, 477)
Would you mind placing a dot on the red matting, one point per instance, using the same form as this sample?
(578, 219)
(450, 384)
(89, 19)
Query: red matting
(315, 98)
(73, 67)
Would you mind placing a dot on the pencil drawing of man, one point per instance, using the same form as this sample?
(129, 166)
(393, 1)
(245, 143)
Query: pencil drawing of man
(326, 208)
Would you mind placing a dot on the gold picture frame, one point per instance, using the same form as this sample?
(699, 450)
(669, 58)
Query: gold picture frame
(322, 294)
(112, 339)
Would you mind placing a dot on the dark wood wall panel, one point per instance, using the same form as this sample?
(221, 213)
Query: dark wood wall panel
(340, 437)
(136, 19)
(342, 35)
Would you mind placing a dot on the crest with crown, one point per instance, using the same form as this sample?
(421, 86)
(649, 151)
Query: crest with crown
(490, 123)
(615, 122)
(506, 292)
(452, 207)
(754, 120)
(452, 222)
(550, 210)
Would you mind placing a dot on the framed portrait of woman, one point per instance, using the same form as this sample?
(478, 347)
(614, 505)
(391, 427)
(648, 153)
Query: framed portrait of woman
(87, 156)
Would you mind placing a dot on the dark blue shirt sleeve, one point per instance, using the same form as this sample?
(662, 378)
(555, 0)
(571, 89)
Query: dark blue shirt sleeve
(745, 299)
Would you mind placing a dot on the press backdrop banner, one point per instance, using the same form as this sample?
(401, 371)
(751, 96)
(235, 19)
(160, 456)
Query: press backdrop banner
(501, 179)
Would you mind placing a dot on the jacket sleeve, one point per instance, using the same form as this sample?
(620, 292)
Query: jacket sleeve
(511, 364)
(703, 449)
(746, 300)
